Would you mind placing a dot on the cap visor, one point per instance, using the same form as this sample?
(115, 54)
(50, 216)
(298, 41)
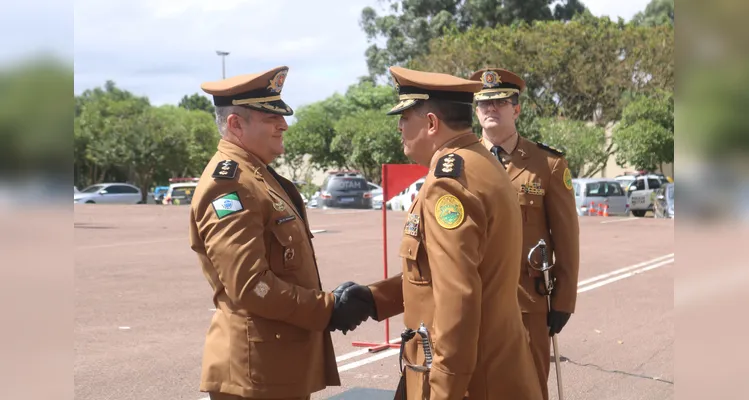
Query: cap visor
(402, 106)
(272, 107)
(492, 96)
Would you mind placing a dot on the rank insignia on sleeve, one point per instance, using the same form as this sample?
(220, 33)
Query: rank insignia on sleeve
(449, 212)
(412, 225)
(449, 166)
(567, 179)
(225, 170)
(227, 204)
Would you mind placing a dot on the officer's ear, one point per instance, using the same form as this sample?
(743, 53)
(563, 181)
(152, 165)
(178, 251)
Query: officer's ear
(433, 123)
(516, 107)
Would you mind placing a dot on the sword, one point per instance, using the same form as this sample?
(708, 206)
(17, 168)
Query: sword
(549, 286)
(426, 344)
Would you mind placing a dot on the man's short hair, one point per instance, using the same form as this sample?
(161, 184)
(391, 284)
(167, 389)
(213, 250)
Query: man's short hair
(223, 113)
(457, 116)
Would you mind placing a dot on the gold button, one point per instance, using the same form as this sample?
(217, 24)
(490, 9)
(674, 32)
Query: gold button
(531, 201)
(290, 238)
(409, 252)
(278, 336)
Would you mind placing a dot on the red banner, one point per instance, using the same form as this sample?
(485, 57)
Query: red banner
(396, 177)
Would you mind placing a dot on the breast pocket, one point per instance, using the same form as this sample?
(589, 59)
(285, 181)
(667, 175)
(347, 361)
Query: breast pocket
(286, 247)
(409, 251)
(532, 207)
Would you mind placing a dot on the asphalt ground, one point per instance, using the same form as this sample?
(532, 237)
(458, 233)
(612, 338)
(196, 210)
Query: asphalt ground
(143, 305)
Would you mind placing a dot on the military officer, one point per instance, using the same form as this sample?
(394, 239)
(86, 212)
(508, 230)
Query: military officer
(270, 334)
(543, 184)
(461, 247)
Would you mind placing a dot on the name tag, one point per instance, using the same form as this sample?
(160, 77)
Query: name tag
(285, 219)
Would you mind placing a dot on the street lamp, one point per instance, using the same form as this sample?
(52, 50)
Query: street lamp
(223, 55)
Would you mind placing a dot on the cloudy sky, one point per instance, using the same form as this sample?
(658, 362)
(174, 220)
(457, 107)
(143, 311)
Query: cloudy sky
(164, 49)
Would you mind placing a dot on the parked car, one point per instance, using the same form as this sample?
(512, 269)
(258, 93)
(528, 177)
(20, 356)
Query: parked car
(345, 189)
(600, 191)
(377, 195)
(641, 193)
(663, 205)
(158, 193)
(179, 193)
(109, 193)
(403, 200)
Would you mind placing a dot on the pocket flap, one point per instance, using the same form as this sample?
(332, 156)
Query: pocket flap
(284, 235)
(265, 330)
(410, 247)
(532, 200)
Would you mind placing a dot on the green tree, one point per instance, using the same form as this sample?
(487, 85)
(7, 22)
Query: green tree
(578, 70)
(197, 102)
(645, 135)
(311, 138)
(657, 12)
(411, 24)
(35, 111)
(584, 144)
(369, 138)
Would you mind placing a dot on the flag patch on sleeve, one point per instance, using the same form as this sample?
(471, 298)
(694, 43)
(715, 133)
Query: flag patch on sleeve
(226, 205)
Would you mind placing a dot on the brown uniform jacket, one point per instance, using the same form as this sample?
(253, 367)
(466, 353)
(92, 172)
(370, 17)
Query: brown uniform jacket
(462, 282)
(267, 337)
(548, 207)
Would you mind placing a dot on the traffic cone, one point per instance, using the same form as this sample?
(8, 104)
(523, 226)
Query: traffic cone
(606, 210)
(600, 209)
(592, 209)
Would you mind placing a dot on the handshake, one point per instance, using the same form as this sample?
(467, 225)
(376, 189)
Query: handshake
(353, 305)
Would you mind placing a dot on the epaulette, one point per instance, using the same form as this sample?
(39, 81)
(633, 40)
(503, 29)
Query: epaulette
(225, 170)
(551, 149)
(450, 165)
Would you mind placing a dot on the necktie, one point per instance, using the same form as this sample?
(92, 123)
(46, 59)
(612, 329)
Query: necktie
(496, 150)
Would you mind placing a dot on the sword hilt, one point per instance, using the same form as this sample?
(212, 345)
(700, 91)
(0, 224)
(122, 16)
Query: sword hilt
(426, 344)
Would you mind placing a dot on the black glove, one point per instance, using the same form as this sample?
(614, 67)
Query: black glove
(556, 320)
(348, 313)
(362, 293)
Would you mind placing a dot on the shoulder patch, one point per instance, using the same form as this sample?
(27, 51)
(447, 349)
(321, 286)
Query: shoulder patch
(449, 211)
(450, 165)
(550, 149)
(227, 204)
(225, 170)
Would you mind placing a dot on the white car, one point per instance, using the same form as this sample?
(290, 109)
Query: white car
(179, 193)
(404, 199)
(109, 193)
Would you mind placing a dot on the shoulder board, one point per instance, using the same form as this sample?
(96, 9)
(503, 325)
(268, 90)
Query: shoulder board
(225, 170)
(551, 149)
(450, 165)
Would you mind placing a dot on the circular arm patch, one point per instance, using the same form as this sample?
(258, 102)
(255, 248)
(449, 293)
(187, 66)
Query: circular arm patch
(449, 212)
(567, 179)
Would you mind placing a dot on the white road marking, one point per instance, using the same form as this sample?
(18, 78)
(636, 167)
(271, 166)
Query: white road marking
(358, 353)
(124, 328)
(622, 270)
(318, 231)
(627, 275)
(625, 219)
(356, 364)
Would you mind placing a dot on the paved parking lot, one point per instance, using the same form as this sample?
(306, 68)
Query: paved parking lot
(143, 305)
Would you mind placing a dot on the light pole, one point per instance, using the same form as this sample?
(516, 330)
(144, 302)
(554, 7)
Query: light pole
(223, 55)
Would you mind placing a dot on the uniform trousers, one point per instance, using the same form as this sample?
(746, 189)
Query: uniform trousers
(224, 396)
(535, 323)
